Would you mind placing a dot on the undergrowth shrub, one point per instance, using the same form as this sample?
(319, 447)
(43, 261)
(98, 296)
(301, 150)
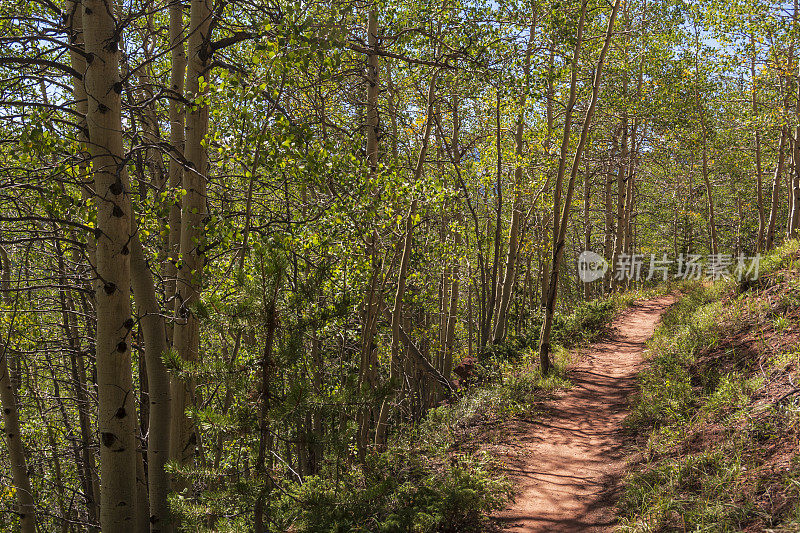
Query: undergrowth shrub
(402, 490)
(423, 482)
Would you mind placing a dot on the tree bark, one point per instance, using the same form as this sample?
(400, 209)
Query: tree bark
(757, 137)
(516, 213)
(544, 342)
(26, 507)
(397, 311)
(452, 315)
(587, 224)
(559, 232)
(177, 118)
(776, 191)
(794, 192)
(159, 394)
(186, 335)
(116, 410)
(622, 193)
(368, 367)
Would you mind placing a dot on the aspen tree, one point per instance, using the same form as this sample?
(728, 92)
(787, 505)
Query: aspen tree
(516, 213)
(447, 367)
(549, 307)
(186, 336)
(88, 468)
(560, 229)
(712, 223)
(608, 240)
(757, 138)
(159, 394)
(116, 411)
(397, 311)
(368, 365)
(587, 224)
(177, 138)
(769, 239)
(794, 182)
(622, 192)
(548, 141)
(11, 426)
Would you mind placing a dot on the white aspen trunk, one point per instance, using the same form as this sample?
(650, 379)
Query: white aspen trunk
(608, 243)
(159, 394)
(368, 365)
(757, 136)
(547, 144)
(587, 226)
(397, 311)
(559, 236)
(776, 191)
(784, 138)
(186, 335)
(794, 190)
(78, 62)
(26, 507)
(549, 302)
(447, 367)
(712, 225)
(116, 411)
(622, 191)
(516, 213)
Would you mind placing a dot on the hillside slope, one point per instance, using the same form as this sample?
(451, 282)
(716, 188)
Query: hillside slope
(718, 415)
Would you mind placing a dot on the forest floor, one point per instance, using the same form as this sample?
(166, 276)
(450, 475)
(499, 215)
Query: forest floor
(567, 464)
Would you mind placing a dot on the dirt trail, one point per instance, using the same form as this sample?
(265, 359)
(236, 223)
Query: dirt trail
(568, 463)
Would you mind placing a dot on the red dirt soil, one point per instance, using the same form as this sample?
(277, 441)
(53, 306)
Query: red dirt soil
(567, 466)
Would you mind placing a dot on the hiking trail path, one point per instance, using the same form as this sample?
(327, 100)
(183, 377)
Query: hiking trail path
(568, 463)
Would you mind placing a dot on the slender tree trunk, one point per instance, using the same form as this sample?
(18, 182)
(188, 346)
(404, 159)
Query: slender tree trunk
(739, 219)
(794, 187)
(622, 193)
(86, 463)
(186, 336)
(544, 343)
(516, 213)
(447, 366)
(452, 318)
(559, 232)
(784, 138)
(757, 136)
(712, 225)
(629, 199)
(491, 303)
(177, 141)
(142, 523)
(368, 367)
(265, 438)
(397, 311)
(608, 245)
(159, 394)
(11, 426)
(587, 224)
(116, 410)
(550, 119)
(776, 191)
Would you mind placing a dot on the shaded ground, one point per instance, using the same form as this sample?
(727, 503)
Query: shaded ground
(567, 460)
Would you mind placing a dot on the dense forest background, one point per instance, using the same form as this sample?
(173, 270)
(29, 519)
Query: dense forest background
(244, 245)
